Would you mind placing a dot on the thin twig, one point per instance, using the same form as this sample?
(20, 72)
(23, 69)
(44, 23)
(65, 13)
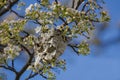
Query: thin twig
(12, 63)
(56, 1)
(65, 22)
(83, 8)
(74, 48)
(35, 74)
(29, 75)
(17, 13)
(9, 68)
(78, 4)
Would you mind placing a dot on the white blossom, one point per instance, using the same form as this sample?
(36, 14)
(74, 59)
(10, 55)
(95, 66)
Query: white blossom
(38, 29)
(54, 44)
(31, 6)
(69, 19)
(66, 13)
(49, 13)
(50, 21)
(37, 5)
(5, 7)
(54, 6)
(36, 15)
(12, 51)
(28, 9)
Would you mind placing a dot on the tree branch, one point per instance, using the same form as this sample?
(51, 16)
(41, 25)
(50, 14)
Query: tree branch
(78, 4)
(17, 13)
(35, 74)
(65, 22)
(31, 55)
(9, 68)
(12, 63)
(83, 8)
(73, 3)
(8, 6)
(2, 47)
(56, 1)
(25, 48)
(74, 48)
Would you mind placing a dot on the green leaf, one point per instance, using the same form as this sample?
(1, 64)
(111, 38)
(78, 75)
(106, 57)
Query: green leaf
(83, 48)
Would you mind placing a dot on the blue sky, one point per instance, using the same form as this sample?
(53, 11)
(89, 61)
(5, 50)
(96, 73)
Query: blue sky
(106, 65)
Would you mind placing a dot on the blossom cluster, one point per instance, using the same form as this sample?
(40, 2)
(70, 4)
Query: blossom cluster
(31, 7)
(56, 25)
(51, 46)
(11, 51)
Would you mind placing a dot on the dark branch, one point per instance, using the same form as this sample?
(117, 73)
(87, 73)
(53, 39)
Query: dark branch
(38, 1)
(12, 63)
(56, 1)
(65, 22)
(8, 68)
(73, 3)
(2, 47)
(74, 48)
(24, 68)
(29, 75)
(83, 8)
(78, 4)
(31, 55)
(25, 48)
(26, 34)
(8, 6)
(35, 74)
(16, 13)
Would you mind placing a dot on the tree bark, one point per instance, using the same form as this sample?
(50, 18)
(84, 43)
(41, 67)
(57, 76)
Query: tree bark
(8, 6)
